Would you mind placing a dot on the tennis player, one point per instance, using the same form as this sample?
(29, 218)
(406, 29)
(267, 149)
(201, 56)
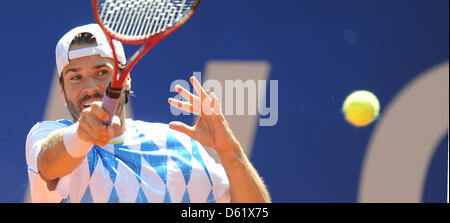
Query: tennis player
(130, 161)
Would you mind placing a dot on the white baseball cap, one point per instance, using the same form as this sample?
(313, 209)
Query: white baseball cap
(63, 55)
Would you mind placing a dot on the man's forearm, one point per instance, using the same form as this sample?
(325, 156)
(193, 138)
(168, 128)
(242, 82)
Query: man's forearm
(245, 184)
(53, 160)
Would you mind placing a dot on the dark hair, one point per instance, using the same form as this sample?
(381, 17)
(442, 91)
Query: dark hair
(83, 40)
(86, 39)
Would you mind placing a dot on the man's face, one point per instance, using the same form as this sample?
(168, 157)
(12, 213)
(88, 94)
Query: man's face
(85, 81)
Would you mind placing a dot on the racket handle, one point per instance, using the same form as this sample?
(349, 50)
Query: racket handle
(110, 102)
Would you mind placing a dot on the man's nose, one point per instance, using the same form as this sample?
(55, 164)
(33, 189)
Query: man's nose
(92, 85)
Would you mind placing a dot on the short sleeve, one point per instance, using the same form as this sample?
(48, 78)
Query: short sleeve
(38, 187)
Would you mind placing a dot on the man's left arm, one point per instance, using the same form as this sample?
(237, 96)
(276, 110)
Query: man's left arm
(212, 130)
(246, 186)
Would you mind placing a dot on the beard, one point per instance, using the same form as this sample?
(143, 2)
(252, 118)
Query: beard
(76, 112)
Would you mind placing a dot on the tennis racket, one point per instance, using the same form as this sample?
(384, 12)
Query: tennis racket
(137, 22)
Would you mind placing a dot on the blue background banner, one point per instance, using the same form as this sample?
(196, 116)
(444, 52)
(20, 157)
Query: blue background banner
(318, 50)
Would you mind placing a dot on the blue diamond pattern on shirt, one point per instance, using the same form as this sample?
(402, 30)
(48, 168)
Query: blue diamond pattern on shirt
(198, 157)
(138, 147)
(167, 197)
(141, 198)
(130, 158)
(211, 198)
(87, 197)
(157, 161)
(65, 121)
(186, 198)
(109, 162)
(185, 162)
(113, 198)
(92, 158)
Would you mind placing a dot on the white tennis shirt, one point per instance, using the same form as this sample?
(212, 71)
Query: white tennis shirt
(148, 163)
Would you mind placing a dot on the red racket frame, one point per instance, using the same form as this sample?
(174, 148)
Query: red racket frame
(149, 42)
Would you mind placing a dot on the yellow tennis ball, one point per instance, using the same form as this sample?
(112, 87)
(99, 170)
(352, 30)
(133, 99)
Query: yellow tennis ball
(361, 108)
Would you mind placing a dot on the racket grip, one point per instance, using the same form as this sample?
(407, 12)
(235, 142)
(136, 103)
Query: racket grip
(110, 102)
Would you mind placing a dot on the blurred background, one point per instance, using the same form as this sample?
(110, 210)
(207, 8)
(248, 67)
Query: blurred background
(318, 51)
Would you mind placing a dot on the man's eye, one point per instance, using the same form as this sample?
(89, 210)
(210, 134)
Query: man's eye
(76, 77)
(103, 72)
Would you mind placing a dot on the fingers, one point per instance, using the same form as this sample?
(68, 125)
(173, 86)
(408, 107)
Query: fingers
(98, 110)
(210, 103)
(198, 87)
(87, 136)
(183, 128)
(207, 104)
(91, 128)
(210, 106)
(217, 111)
(185, 106)
(185, 94)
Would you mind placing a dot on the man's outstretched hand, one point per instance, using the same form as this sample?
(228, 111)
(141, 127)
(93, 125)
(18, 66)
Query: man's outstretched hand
(211, 128)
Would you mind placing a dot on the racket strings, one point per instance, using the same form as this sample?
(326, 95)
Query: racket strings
(142, 18)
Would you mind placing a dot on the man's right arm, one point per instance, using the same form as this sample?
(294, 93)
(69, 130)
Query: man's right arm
(64, 149)
(54, 161)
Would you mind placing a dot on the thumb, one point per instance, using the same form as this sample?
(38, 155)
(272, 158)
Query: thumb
(183, 128)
